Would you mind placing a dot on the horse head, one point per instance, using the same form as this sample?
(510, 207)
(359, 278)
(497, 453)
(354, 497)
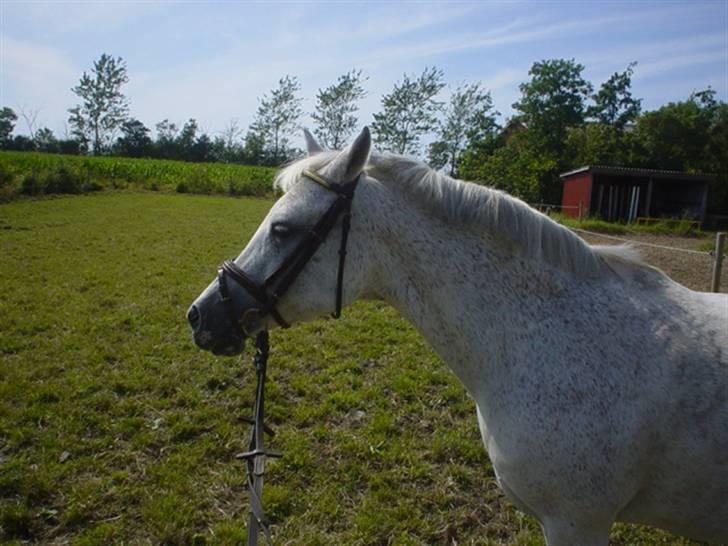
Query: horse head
(292, 268)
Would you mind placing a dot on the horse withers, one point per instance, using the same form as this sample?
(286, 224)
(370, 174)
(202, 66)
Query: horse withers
(601, 385)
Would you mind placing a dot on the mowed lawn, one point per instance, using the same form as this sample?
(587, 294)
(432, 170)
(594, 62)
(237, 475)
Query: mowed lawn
(115, 429)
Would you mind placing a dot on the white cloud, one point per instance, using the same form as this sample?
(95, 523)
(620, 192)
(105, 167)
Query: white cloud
(676, 62)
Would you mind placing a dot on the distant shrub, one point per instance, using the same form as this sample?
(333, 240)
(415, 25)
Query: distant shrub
(64, 180)
(91, 186)
(7, 183)
(31, 185)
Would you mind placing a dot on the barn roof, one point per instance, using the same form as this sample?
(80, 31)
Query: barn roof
(632, 171)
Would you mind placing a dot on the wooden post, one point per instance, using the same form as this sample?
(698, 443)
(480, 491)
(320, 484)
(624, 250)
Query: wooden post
(718, 261)
(581, 209)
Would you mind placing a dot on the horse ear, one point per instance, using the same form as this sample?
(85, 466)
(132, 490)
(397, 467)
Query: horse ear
(312, 146)
(358, 154)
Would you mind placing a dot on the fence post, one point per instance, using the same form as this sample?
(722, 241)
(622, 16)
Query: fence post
(718, 261)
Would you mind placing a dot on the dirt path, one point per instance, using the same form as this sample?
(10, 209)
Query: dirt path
(692, 270)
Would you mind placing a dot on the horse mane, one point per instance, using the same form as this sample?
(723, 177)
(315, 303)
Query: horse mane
(479, 207)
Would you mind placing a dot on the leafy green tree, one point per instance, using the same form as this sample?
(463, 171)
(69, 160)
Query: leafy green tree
(468, 118)
(46, 141)
(336, 108)
(104, 107)
(135, 140)
(166, 143)
(7, 124)
(553, 101)
(613, 103)
(254, 149)
(277, 119)
(408, 112)
(186, 140)
(596, 144)
(201, 149)
(518, 167)
(687, 136)
(676, 135)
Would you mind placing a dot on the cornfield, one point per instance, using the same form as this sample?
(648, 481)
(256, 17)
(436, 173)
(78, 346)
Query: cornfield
(32, 173)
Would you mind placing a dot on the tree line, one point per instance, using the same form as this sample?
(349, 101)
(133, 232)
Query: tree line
(561, 121)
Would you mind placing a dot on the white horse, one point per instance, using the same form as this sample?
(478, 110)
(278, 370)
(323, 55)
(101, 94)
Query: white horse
(601, 385)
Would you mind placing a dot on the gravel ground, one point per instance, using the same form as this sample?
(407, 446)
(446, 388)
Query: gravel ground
(692, 270)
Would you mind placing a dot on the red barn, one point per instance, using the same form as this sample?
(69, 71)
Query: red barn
(621, 194)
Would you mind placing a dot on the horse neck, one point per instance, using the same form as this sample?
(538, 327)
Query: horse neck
(466, 292)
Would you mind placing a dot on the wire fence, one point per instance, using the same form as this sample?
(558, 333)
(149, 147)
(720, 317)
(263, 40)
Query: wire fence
(708, 253)
(716, 255)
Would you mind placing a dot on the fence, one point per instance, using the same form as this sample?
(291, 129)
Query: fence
(717, 254)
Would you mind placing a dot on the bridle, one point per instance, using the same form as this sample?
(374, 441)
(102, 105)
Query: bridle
(272, 289)
(268, 294)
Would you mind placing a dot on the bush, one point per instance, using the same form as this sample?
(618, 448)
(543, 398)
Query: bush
(64, 180)
(31, 185)
(7, 183)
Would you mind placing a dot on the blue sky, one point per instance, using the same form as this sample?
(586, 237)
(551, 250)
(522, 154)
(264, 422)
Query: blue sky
(212, 60)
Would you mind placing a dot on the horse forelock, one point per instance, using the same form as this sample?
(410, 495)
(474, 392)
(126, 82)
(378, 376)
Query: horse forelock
(477, 207)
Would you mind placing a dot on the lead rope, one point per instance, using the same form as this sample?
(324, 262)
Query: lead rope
(256, 454)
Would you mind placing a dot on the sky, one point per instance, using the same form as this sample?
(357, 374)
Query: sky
(213, 61)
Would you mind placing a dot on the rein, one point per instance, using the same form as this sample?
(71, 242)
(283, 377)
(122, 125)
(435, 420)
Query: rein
(256, 454)
(267, 294)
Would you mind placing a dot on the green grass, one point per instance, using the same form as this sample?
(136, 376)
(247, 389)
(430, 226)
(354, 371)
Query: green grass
(31, 173)
(590, 224)
(682, 228)
(115, 429)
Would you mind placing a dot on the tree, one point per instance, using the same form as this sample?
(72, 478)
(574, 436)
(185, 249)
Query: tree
(596, 144)
(253, 152)
(553, 101)
(336, 108)
(613, 103)
(409, 112)
(186, 140)
(518, 166)
(46, 141)
(7, 124)
(469, 118)
(232, 134)
(104, 107)
(30, 116)
(676, 136)
(277, 118)
(166, 145)
(687, 136)
(135, 140)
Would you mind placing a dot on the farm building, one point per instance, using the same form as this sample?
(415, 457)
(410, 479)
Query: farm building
(622, 194)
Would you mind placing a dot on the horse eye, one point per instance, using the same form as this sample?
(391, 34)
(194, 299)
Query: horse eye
(279, 229)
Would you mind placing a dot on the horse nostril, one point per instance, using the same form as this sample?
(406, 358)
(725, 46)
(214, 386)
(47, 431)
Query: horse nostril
(193, 316)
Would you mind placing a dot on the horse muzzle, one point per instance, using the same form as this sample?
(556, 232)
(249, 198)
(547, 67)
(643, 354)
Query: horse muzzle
(216, 336)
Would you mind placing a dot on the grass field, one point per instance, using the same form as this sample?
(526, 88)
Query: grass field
(115, 429)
